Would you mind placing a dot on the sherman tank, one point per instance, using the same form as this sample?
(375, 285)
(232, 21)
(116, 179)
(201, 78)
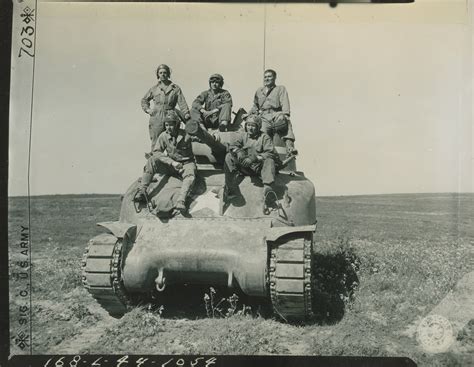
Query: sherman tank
(264, 250)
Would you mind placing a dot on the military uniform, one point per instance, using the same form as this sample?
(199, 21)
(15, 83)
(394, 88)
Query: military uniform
(251, 147)
(169, 149)
(221, 100)
(165, 98)
(272, 104)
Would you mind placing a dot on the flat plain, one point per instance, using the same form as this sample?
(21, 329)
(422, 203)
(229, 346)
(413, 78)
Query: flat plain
(382, 263)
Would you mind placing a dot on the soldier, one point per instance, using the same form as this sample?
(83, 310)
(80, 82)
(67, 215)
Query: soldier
(252, 154)
(165, 95)
(213, 107)
(172, 155)
(271, 103)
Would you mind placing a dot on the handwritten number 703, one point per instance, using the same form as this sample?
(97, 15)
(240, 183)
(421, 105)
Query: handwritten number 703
(29, 30)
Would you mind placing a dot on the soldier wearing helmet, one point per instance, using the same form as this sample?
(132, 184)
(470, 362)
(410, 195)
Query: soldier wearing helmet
(252, 154)
(272, 104)
(165, 96)
(213, 107)
(172, 155)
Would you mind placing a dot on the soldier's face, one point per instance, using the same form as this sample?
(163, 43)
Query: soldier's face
(214, 84)
(252, 129)
(171, 127)
(268, 79)
(163, 75)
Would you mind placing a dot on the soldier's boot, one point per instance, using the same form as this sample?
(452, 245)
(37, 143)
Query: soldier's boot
(181, 205)
(186, 188)
(141, 195)
(230, 193)
(226, 195)
(290, 147)
(229, 190)
(223, 126)
(267, 189)
(193, 128)
(269, 199)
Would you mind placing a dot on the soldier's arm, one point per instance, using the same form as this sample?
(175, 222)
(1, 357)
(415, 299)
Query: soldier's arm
(183, 105)
(255, 106)
(285, 101)
(159, 151)
(238, 143)
(199, 101)
(146, 100)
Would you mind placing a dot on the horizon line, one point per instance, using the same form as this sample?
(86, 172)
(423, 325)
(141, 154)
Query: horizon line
(317, 196)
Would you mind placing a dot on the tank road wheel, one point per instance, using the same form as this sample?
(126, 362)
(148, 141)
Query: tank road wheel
(101, 273)
(290, 277)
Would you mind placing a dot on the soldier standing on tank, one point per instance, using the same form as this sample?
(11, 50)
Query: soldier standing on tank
(213, 107)
(165, 95)
(172, 155)
(252, 154)
(272, 104)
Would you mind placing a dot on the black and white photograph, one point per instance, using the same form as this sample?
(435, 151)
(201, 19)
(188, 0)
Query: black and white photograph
(202, 180)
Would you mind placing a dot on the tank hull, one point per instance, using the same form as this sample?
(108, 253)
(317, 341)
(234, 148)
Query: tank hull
(234, 244)
(208, 247)
(194, 252)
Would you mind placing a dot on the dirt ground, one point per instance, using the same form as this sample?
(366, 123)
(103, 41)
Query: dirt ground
(383, 264)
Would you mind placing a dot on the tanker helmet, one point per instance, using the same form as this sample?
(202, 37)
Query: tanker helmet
(217, 77)
(171, 117)
(165, 67)
(253, 120)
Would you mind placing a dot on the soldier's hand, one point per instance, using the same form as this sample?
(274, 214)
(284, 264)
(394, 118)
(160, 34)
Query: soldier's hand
(240, 155)
(209, 113)
(177, 165)
(246, 162)
(252, 156)
(187, 116)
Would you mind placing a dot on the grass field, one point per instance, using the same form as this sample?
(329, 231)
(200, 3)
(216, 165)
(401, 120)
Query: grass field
(383, 262)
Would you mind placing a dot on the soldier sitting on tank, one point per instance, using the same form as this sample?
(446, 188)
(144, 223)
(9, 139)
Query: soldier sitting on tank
(212, 108)
(252, 154)
(172, 155)
(272, 104)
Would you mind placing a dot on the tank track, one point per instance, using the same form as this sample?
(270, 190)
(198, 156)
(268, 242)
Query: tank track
(290, 277)
(101, 273)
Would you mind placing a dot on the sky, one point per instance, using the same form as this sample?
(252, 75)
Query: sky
(380, 94)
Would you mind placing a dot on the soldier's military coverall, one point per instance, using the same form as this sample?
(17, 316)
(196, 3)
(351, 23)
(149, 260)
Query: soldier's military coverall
(169, 149)
(222, 100)
(165, 98)
(261, 145)
(270, 104)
